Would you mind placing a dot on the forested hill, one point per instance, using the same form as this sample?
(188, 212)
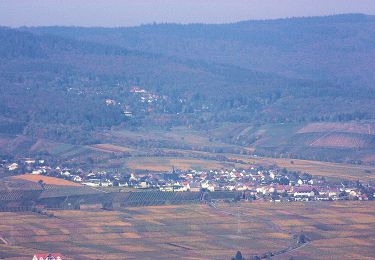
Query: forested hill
(56, 87)
(324, 65)
(338, 48)
(65, 82)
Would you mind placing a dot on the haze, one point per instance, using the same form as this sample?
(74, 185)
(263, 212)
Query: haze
(114, 13)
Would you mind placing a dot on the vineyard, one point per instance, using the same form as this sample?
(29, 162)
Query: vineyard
(195, 231)
(63, 197)
(344, 140)
(350, 127)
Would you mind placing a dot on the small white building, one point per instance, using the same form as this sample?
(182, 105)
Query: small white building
(304, 194)
(37, 172)
(77, 178)
(91, 184)
(65, 173)
(13, 166)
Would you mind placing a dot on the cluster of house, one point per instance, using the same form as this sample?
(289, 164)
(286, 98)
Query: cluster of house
(141, 95)
(144, 95)
(257, 182)
(53, 256)
(34, 166)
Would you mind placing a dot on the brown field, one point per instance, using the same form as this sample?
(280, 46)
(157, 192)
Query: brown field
(327, 169)
(342, 230)
(318, 168)
(166, 163)
(42, 144)
(111, 148)
(340, 140)
(352, 127)
(369, 158)
(45, 179)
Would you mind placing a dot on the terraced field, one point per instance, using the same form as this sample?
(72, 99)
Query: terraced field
(344, 230)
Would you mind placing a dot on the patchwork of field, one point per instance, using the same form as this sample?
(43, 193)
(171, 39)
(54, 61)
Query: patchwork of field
(342, 230)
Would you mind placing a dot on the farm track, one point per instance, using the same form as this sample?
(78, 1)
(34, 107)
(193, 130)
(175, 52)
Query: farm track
(3, 240)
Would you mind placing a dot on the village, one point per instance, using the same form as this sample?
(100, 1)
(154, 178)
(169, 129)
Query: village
(255, 183)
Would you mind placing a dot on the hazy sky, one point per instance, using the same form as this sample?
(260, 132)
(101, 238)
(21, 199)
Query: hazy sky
(111, 13)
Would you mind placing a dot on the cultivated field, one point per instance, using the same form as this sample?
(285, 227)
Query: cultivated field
(351, 127)
(327, 169)
(46, 179)
(166, 164)
(111, 148)
(342, 230)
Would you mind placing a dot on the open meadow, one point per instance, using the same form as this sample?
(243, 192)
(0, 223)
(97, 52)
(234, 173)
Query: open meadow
(338, 230)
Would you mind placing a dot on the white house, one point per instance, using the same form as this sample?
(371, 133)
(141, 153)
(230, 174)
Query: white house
(304, 194)
(13, 166)
(37, 172)
(91, 184)
(65, 173)
(77, 178)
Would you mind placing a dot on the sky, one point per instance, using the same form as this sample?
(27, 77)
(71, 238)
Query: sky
(115, 13)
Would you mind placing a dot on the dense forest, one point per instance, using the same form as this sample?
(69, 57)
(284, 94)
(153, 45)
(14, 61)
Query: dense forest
(64, 83)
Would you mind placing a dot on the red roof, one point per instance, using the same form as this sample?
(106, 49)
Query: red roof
(52, 256)
(304, 189)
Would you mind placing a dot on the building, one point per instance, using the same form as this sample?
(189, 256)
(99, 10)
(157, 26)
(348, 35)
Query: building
(53, 256)
(13, 166)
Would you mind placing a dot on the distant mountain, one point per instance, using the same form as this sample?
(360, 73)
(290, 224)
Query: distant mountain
(319, 65)
(42, 74)
(65, 83)
(337, 48)
(50, 81)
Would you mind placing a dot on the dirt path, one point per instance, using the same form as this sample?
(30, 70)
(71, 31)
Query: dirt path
(3, 240)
